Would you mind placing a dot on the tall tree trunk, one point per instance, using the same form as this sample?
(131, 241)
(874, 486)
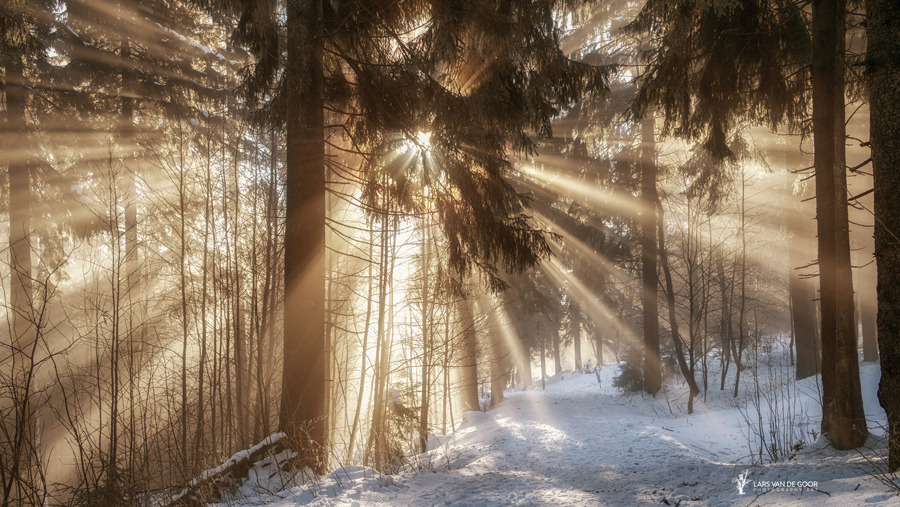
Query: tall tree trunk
(303, 410)
(883, 72)
(137, 313)
(738, 351)
(365, 343)
(843, 419)
(207, 218)
(242, 352)
(650, 280)
(725, 326)
(802, 293)
(183, 282)
(427, 335)
(468, 367)
(377, 442)
(498, 350)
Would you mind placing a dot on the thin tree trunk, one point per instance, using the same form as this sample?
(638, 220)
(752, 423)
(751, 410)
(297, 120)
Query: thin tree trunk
(242, 352)
(543, 365)
(136, 309)
(738, 362)
(673, 317)
(201, 410)
(725, 321)
(365, 343)
(427, 338)
(557, 362)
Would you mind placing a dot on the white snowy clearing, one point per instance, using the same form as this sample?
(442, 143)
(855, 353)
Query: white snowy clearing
(582, 442)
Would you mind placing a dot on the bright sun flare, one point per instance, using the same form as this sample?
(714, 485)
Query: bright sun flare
(423, 139)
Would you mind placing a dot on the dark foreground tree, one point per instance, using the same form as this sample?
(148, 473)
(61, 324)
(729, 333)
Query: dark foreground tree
(843, 419)
(883, 71)
(303, 391)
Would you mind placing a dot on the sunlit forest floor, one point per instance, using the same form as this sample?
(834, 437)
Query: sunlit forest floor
(581, 442)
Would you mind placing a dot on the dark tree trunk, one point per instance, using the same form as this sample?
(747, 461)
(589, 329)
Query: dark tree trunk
(725, 326)
(883, 60)
(650, 280)
(469, 361)
(843, 419)
(802, 293)
(303, 409)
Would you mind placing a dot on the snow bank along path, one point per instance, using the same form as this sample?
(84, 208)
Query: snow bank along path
(583, 443)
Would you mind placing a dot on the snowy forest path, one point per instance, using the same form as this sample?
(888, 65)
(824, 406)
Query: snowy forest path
(576, 443)
(580, 442)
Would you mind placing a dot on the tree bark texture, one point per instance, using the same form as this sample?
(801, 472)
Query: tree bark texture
(843, 419)
(650, 280)
(883, 72)
(303, 409)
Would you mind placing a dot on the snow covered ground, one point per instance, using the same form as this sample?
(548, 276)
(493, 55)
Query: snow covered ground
(582, 442)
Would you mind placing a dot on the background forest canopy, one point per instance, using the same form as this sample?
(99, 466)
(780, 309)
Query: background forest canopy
(352, 221)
